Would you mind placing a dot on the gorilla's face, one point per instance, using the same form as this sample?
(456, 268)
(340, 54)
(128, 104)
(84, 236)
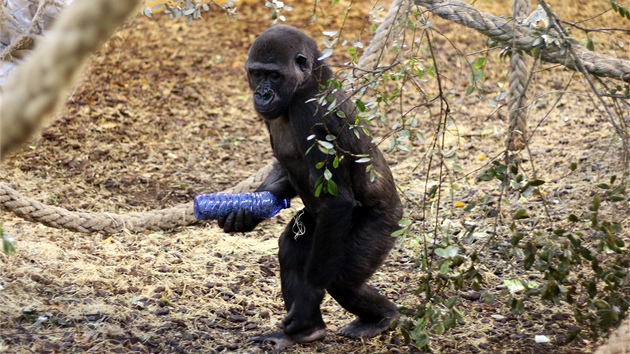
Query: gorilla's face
(279, 65)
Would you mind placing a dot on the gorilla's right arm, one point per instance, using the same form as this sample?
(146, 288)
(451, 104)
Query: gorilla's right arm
(277, 182)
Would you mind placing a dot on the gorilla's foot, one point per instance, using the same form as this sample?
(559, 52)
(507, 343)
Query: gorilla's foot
(282, 341)
(366, 329)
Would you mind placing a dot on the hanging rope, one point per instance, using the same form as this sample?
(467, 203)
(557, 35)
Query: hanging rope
(40, 82)
(519, 37)
(374, 52)
(517, 80)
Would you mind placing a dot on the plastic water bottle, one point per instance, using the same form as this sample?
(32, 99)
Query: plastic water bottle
(260, 205)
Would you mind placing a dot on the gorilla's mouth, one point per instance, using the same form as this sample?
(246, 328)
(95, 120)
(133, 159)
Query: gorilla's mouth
(268, 110)
(265, 109)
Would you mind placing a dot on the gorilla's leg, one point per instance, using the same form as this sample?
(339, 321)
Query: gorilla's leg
(301, 299)
(374, 311)
(303, 322)
(367, 247)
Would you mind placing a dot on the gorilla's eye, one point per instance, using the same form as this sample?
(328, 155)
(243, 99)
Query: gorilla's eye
(274, 76)
(302, 62)
(255, 75)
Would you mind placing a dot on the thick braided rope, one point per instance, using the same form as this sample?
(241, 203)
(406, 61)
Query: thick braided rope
(40, 82)
(373, 53)
(517, 80)
(181, 215)
(519, 37)
(26, 37)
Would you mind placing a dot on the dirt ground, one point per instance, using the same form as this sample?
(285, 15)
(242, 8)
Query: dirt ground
(163, 113)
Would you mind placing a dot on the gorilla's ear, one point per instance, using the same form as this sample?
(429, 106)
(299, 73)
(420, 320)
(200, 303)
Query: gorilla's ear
(302, 63)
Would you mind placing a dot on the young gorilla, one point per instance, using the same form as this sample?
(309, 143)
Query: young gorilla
(345, 237)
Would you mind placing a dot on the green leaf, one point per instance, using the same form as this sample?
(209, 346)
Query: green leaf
(572, 335)
(589, 45)
(406, 336)
(596, 202)
(519, 307)
(520, 214)
(404, 222)
(432, 191)
(309, 149)
(451, 302)
(445, 265)
(619, 242)
(514, 286)
(573, 166)
(516, 239)
(336, 162)
(398, 233)
(536, 182)
(326, 53)
(319, 185)
(8, 243)
(320, 164)
(363, 160)
(536, 48)
(530, 258)
(486, 176)
(360, 105)
(487, 297)
(469, 90)
(479, 62)
(448, 252)
(325, 144)
(470, 206)
(327, 174)
(332, 188)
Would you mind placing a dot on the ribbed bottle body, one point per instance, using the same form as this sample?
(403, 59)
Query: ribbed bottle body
(261, 205)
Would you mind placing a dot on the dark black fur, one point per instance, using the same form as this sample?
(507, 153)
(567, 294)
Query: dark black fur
(347, 236)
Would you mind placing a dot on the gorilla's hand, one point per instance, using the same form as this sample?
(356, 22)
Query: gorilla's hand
(240, 221)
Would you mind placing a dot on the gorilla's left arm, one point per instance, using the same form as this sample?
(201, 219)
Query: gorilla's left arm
(277, 182)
